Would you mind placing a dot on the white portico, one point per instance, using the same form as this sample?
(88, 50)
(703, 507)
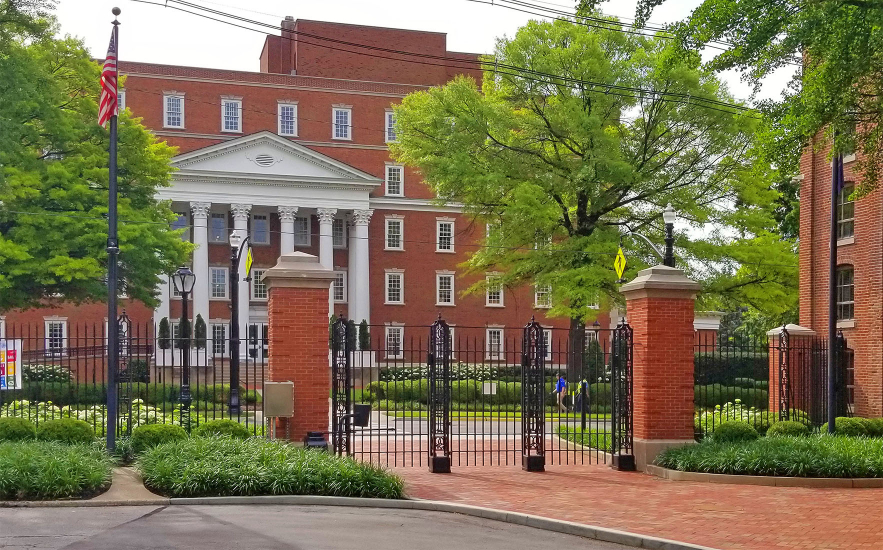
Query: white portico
(252, 177)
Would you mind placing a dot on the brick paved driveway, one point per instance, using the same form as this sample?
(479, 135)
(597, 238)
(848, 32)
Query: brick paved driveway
(728, 517)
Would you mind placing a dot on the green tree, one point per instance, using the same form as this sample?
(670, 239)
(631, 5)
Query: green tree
(838, 90)
(164, 334)
(364, 336)
(560, 168)
(199, 332)
(54, 176)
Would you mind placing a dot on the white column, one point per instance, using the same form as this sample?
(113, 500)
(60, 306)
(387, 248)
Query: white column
(326, 246)
(201, 212)
(357, 278)
(286, 228)
(240, 226)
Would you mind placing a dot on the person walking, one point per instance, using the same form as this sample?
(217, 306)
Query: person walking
(561, 390)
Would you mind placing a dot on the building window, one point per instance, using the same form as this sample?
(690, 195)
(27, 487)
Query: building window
(342, 123)
(394, 340)
(2, 327)
(845, 213)
(444, 289)
(547, 342)
(495, 344)
(339, 287)
(56, 336)
(260, 229)
(218, 228)
(182, 223)
(219, 339)
(338, 233)
(231, 114)
(121, 100)
(390, 125)
(542, 296)
(444, 236)
(395, 287)
(494, 291)
(258, 287)
(218, 283)
(845, 293)
(288, 119)
(394, 234)
(302, 231)
(395, 181)
(173, 111)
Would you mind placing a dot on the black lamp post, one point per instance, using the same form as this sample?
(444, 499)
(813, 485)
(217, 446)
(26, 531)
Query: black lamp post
(237, 245)
(669, 216)
(184, 279)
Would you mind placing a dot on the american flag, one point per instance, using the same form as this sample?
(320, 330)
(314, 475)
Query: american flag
(107, 104)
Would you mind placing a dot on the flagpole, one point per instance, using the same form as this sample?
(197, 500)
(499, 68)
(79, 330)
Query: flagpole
(833, 355)
(113, 249)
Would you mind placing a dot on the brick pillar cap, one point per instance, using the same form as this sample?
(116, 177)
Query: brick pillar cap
(793, 330)
(298, 269)
(660, 282)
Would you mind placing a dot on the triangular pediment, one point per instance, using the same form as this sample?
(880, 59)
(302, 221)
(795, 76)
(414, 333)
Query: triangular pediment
(267, 156)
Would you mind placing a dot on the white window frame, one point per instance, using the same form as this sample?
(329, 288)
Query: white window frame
(339, 223)
(395, 329)
(348, 109)
(439, 275)
(547, 337)
(215, 339)
(487, 292)
(389, 119)
(283, 104)
(489, 353)
(254, 233)
(439, 222)
(303, 220)
(542, 290)
(256, 282)
(841, 300)
(211, 281)
(340, 280)
(392, 220)
(390, 274)
(224, 103)
(223, 235)
(121, 99)
(165, 109)
(47, 339)
(394, 168)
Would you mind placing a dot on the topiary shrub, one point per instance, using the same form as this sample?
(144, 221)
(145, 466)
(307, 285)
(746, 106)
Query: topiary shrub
(150, 435)
(744, 382)
(787, 428)
(875, 427)
(850, 427)
(734, 431)
(66, 430)
(222, 426)
(16, 429)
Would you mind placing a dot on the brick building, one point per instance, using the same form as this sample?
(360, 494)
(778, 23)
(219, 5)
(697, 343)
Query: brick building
(859, 281)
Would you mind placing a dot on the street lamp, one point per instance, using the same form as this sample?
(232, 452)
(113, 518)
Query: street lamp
(669, 216)
(237, 245)
(184, 279)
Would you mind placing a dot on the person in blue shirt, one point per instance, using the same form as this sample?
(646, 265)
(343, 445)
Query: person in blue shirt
(561, 390)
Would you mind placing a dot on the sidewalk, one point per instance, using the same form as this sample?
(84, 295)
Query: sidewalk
(729, 517)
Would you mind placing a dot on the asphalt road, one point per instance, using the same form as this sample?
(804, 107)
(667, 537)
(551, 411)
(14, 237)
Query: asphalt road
(268, 527)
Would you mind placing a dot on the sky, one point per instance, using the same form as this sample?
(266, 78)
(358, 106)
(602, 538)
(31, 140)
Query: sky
(153, 33)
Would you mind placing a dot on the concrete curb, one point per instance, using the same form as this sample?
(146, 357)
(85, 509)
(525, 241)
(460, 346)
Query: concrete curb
(769, 481)
(558, 526)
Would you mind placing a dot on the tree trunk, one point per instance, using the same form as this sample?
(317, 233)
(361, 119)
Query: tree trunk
(576, 350)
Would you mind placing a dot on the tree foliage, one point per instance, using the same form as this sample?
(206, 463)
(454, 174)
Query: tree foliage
(54, 175)
(561, 168)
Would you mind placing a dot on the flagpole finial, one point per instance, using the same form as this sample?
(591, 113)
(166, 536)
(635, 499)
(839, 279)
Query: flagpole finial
(115, 11)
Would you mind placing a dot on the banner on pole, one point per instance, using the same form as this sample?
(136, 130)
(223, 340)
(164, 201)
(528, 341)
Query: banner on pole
(10, 367)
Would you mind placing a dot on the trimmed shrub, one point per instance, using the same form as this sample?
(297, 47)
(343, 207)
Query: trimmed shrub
(733, 431)
(744, 382)
(875, 427)
(46, 373)
(722, 366)
(762, 384)
(136, 371)
(43, 470)
(150, 435)
(706, 397)
(465, 391)
(16, 429)
(854, 427)
(222, 426)
(787, 428)
(66, 430)
(250, 396)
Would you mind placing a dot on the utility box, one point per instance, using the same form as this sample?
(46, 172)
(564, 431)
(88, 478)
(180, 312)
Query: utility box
(278, 399)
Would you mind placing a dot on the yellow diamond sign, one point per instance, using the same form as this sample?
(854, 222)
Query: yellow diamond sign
(619, 263)
(248, 261)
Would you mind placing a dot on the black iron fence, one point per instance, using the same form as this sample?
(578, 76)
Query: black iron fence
(62, 370)
(465, 397)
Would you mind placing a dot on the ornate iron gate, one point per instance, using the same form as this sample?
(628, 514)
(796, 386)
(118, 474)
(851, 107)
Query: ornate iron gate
(439, 397)
(341, 386)
(533, 411)
(621, 388)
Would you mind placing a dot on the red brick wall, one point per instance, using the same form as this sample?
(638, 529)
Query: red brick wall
(663, 367)
(299, 353)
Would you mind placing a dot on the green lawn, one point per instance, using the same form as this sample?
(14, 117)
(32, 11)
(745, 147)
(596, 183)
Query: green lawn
(590, 438)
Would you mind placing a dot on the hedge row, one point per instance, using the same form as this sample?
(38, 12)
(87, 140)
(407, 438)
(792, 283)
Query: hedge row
(723, 366)
(706, 397)
(63, 394)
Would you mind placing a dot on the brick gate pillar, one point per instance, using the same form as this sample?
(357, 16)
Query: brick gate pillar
(298, 288)
(659, 302)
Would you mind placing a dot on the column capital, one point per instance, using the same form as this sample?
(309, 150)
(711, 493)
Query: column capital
(200, 209)
(240, 211)
(361, 217)
(287, 213)
(326, 215)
